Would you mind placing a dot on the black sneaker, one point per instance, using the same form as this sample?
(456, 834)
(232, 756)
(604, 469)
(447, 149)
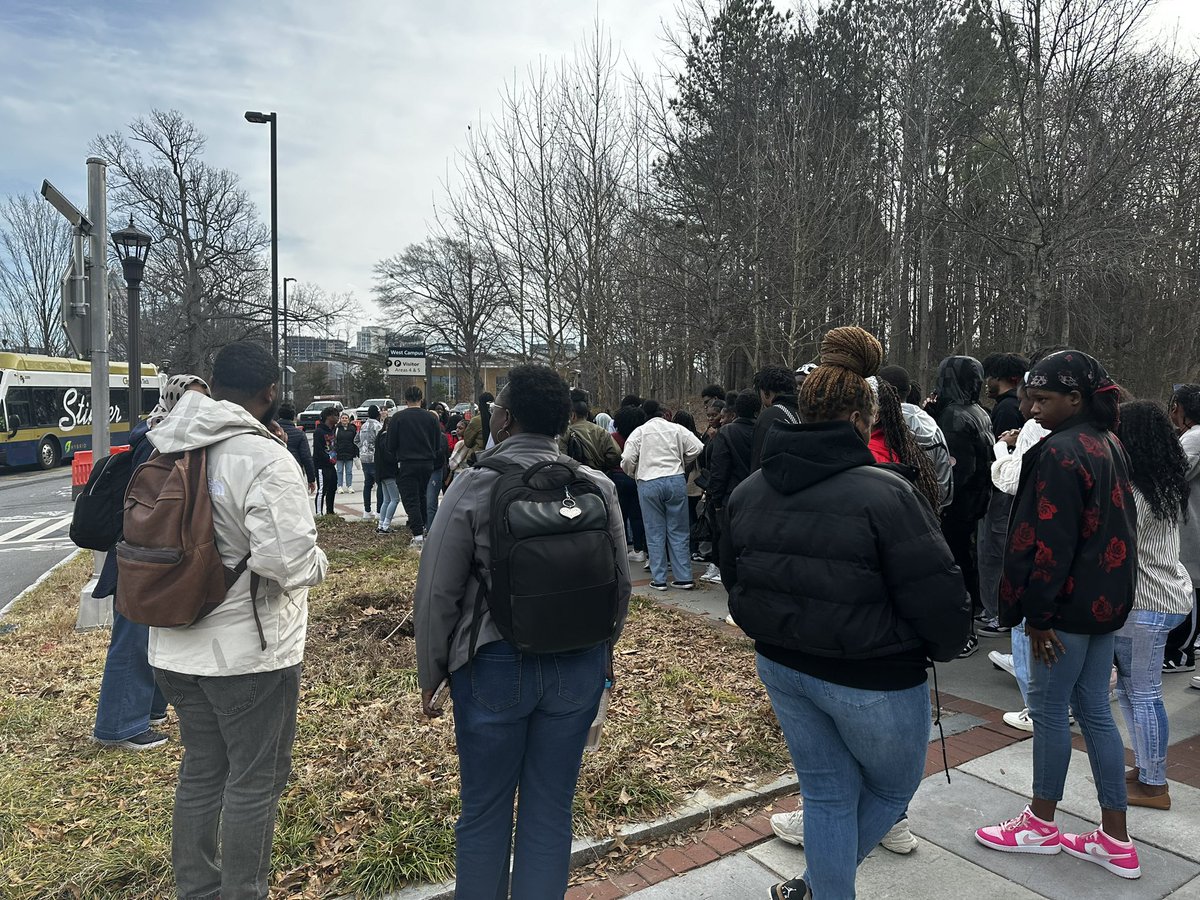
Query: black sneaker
(970, 648)
(1171, 666)
(796, 889)
(683, 585)
(659, 585)
(156, 721)
(144, 741)
(992, 628)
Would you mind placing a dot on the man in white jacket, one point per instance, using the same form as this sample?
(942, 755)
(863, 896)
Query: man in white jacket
(236, 699)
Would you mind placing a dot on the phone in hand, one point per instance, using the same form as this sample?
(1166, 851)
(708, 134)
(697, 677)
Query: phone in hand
(439, 696)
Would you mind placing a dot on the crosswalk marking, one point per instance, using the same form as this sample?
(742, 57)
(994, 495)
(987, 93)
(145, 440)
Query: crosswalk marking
(36, 531)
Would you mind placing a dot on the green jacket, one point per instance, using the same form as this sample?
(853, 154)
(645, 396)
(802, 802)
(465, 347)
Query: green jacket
(603, 453)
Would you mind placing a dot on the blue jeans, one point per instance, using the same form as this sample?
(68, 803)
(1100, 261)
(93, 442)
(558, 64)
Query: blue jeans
(345, 473)
(1079, 680)
(520, 721)
(1139, 689)
(432, 491)
(129, 698)
(391, 499)
(237, 734)
(859, 756)
(369, 485)
(664, 505)
(1020, 655)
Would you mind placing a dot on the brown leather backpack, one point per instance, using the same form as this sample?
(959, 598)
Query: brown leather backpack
(169, 572)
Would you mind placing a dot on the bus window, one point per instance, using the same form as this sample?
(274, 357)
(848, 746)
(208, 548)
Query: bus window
(149, 400)
(47, 407)
(119, 398)
(20, 407)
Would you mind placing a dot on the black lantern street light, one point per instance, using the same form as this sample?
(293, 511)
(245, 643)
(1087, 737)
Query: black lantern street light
(259, 118)
(133, 246)
(287, 381)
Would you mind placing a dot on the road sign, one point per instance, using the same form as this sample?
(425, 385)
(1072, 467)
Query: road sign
(409, 361)
(74, 312)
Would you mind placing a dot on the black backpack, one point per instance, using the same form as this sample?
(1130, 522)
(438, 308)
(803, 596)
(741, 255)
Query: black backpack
(96, 522)
(554, 564)
(577, 449)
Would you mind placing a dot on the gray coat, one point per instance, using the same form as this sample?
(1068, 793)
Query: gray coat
(1189, 530)
(457, 550)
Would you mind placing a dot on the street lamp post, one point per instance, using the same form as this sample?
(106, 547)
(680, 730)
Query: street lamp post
(259, 118)
(287, 385)
(133, 246)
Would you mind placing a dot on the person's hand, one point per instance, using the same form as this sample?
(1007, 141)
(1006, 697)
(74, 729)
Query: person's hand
(427, 707)
(275, 429)
(1010, 437)
(1044, 646)
(312, 487)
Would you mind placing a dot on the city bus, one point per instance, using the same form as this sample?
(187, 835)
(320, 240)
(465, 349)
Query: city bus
(46, 407)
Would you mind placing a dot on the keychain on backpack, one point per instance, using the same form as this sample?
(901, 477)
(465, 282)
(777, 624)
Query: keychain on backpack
(569, 510)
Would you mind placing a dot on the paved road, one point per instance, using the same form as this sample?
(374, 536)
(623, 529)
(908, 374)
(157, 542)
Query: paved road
(35, 515)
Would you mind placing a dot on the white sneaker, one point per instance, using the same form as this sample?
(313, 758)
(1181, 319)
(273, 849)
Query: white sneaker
(729, 621)
(418, 541)
(646, 567)
(789, 827)
(711, 574)
(899, 839)
(1003, 661)
(1019, 720)
(637, 556)
(367, 517)
(1195, 682)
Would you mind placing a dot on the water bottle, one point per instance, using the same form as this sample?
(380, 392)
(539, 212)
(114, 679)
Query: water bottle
(593, 736)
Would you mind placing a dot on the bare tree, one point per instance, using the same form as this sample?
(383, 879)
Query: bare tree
(35, 246)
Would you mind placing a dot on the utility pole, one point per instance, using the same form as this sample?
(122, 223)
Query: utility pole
(98, 304)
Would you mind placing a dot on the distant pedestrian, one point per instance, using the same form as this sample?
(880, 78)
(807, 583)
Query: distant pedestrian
(521, 719)
(776, 388)
(324, 452)
(1069, 574)
(1184, 410)
(416, 442)
(625, 422)
(347, 451)
(297, 444)
(365, 440)
(926, 431)
(130, 705)
(656, 455)
(838, 571)
(479, 427)
(236, 698)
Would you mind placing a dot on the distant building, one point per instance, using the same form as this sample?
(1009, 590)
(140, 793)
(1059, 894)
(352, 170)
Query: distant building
(304, 349)
(372, 339)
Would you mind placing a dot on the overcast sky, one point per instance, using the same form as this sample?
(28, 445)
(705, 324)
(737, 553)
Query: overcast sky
(373, 97)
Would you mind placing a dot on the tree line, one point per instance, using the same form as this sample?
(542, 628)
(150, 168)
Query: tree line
(957, 177)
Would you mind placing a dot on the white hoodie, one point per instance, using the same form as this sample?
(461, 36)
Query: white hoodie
(260, 507)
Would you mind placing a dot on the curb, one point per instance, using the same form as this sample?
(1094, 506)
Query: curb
(50, 571)
(703, 807)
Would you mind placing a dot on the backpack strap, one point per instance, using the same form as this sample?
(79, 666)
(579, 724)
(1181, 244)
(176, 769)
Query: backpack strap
(231, 576)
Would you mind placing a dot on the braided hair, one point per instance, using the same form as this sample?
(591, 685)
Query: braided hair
(1156, 460)
(900, 440)
(838, 385)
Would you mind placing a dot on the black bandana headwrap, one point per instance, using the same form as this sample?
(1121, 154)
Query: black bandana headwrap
(1070, 370)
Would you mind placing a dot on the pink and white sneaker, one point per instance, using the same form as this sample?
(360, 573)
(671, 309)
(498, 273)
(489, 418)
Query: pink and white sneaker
(1024, 834)
(1096, 846)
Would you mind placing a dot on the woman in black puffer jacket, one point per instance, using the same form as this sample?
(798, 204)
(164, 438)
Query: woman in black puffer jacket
(838, 570)
(347, 451)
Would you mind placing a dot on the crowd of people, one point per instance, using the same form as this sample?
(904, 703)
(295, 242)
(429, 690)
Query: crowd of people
(863, 530)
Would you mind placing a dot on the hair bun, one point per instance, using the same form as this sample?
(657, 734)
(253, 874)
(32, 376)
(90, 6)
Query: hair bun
(852, 348)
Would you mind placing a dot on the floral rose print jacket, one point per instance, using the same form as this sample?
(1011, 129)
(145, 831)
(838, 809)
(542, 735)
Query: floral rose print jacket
(1071, 557)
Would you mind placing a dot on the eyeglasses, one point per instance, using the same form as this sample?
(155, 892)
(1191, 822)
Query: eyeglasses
(495, 406)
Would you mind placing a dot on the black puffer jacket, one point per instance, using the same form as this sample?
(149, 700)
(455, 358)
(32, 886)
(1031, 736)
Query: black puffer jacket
(968, 431)
(836, 567)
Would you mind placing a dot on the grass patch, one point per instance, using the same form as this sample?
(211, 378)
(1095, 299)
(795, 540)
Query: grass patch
(374, 792)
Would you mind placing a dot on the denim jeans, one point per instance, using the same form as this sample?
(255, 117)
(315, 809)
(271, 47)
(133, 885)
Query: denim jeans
(345, 473)
(520, 721)
(859, 756)
(129, 698)
(631, 509)
(369, 485)
(431, 495)
(1020, 655)
(1139, 689)
(391, 499)
(664, 505)
(993, 532)
(237, 734)
(1079, 680)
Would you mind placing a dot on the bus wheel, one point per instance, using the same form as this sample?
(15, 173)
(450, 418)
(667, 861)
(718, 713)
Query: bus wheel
(49, 454)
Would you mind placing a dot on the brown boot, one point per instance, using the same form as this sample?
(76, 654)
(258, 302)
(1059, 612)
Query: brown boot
(1139, 797)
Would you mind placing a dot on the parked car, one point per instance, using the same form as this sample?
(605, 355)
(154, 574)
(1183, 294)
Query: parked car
(308, 418)
(466, 410)
(382, 402)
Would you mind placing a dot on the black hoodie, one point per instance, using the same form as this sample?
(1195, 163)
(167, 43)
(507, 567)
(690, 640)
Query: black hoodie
(836, 567)
(968, 431)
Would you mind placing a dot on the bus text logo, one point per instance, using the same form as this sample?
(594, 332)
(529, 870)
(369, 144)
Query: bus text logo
(78, 409)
